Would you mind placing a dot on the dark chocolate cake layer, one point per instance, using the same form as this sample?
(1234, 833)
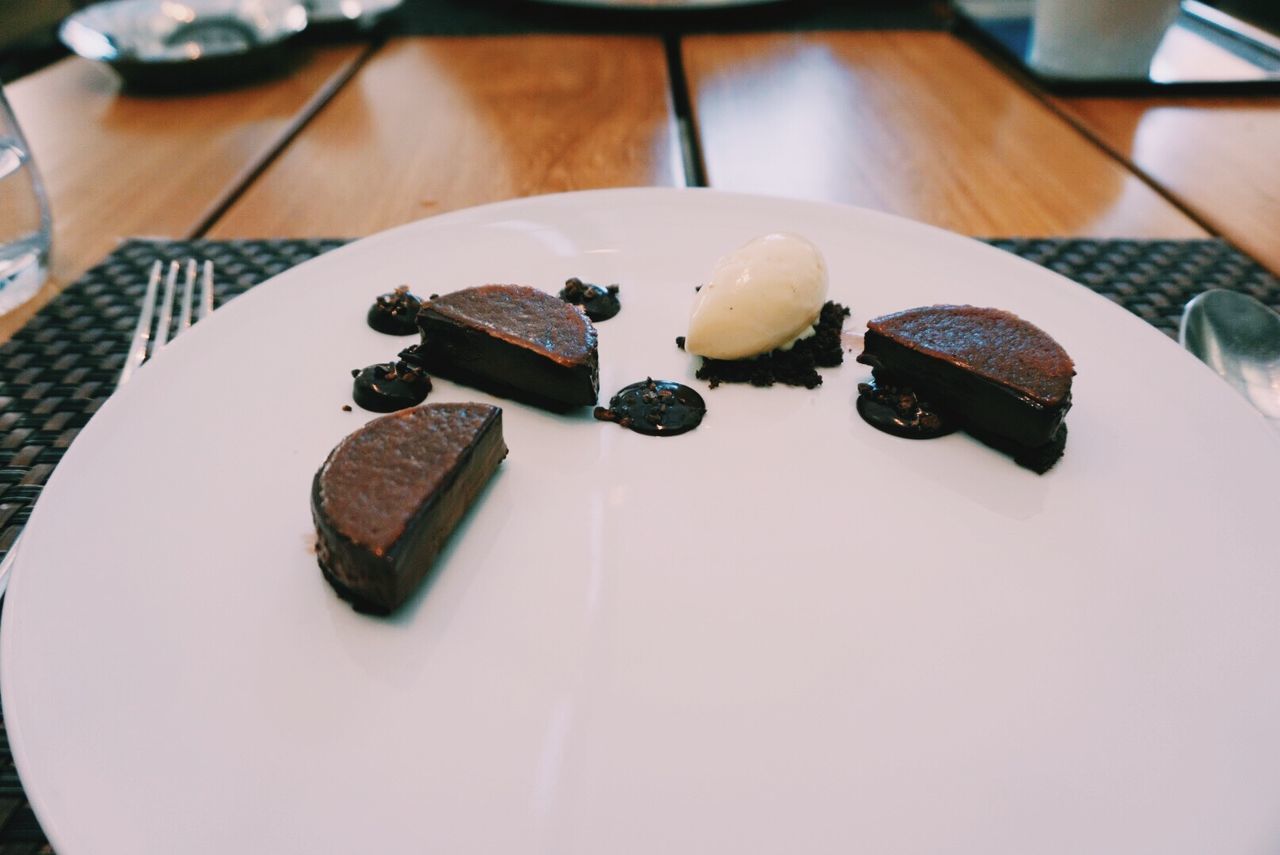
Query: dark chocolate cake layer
(389, 495)
(1000, 375)
(511, 340)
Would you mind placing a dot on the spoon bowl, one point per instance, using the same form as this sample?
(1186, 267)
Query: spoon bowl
(1238, 337)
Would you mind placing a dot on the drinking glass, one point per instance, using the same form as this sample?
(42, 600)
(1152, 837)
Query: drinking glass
(25, 226)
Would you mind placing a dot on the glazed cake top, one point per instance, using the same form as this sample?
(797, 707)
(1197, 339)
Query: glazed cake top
(523, 316)
(992, 343)
(379, 477)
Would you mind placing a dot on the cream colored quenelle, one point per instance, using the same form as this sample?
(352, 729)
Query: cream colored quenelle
(763, 296)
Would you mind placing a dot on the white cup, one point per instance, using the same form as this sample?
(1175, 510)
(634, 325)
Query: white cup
(1087, 39)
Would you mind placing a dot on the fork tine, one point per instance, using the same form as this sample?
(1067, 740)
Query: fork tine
(142, 332)
(166, 310)
(188, 289)
(206, 291)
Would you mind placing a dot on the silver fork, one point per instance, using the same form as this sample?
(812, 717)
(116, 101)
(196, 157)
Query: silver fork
(138, 348)
(144, 344)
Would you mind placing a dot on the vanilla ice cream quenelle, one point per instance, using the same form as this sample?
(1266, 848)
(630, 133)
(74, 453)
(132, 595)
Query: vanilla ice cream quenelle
(763, 296)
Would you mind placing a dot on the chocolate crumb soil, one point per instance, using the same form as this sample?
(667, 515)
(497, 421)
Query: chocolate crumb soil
(795, 367)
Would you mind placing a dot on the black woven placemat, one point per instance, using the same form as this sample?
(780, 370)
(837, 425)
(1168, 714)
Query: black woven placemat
(57, 370)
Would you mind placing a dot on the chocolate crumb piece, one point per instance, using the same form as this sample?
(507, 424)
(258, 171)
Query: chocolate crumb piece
(600, 303)
(680, 342)
(395, 313)
(390, 386)
(655, 408)
(795, 367)
(346, 408)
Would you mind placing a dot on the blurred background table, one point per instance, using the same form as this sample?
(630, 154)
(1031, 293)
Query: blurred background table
(915, 121)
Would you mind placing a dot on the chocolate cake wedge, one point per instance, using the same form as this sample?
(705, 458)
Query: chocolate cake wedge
(512, 340)
(389, 495)
(991, 373)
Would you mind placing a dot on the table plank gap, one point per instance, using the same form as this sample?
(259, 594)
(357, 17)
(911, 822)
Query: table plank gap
(695, 169)
(323, 96)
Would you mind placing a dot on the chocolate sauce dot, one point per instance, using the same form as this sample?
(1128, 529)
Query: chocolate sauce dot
(897, 409)
(390, 386)
(395, 313)
(655, 408)
(598, 302)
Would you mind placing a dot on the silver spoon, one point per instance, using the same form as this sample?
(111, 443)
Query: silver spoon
(1239, 338)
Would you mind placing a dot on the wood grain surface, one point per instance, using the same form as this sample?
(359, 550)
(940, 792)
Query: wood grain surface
(916, 124)
(433, 124)
(117, 165)
(1219, 156)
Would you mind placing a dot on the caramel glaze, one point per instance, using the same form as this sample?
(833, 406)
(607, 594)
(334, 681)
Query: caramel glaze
(993, 344)
(980, 366)
(986, 371)
(511, 340)
(388, 496)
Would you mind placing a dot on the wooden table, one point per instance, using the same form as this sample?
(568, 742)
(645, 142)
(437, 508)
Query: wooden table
(359, 138)
(1208, 154)
(912, 123)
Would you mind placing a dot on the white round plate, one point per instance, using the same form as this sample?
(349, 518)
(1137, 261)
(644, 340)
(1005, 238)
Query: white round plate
(783, 632)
